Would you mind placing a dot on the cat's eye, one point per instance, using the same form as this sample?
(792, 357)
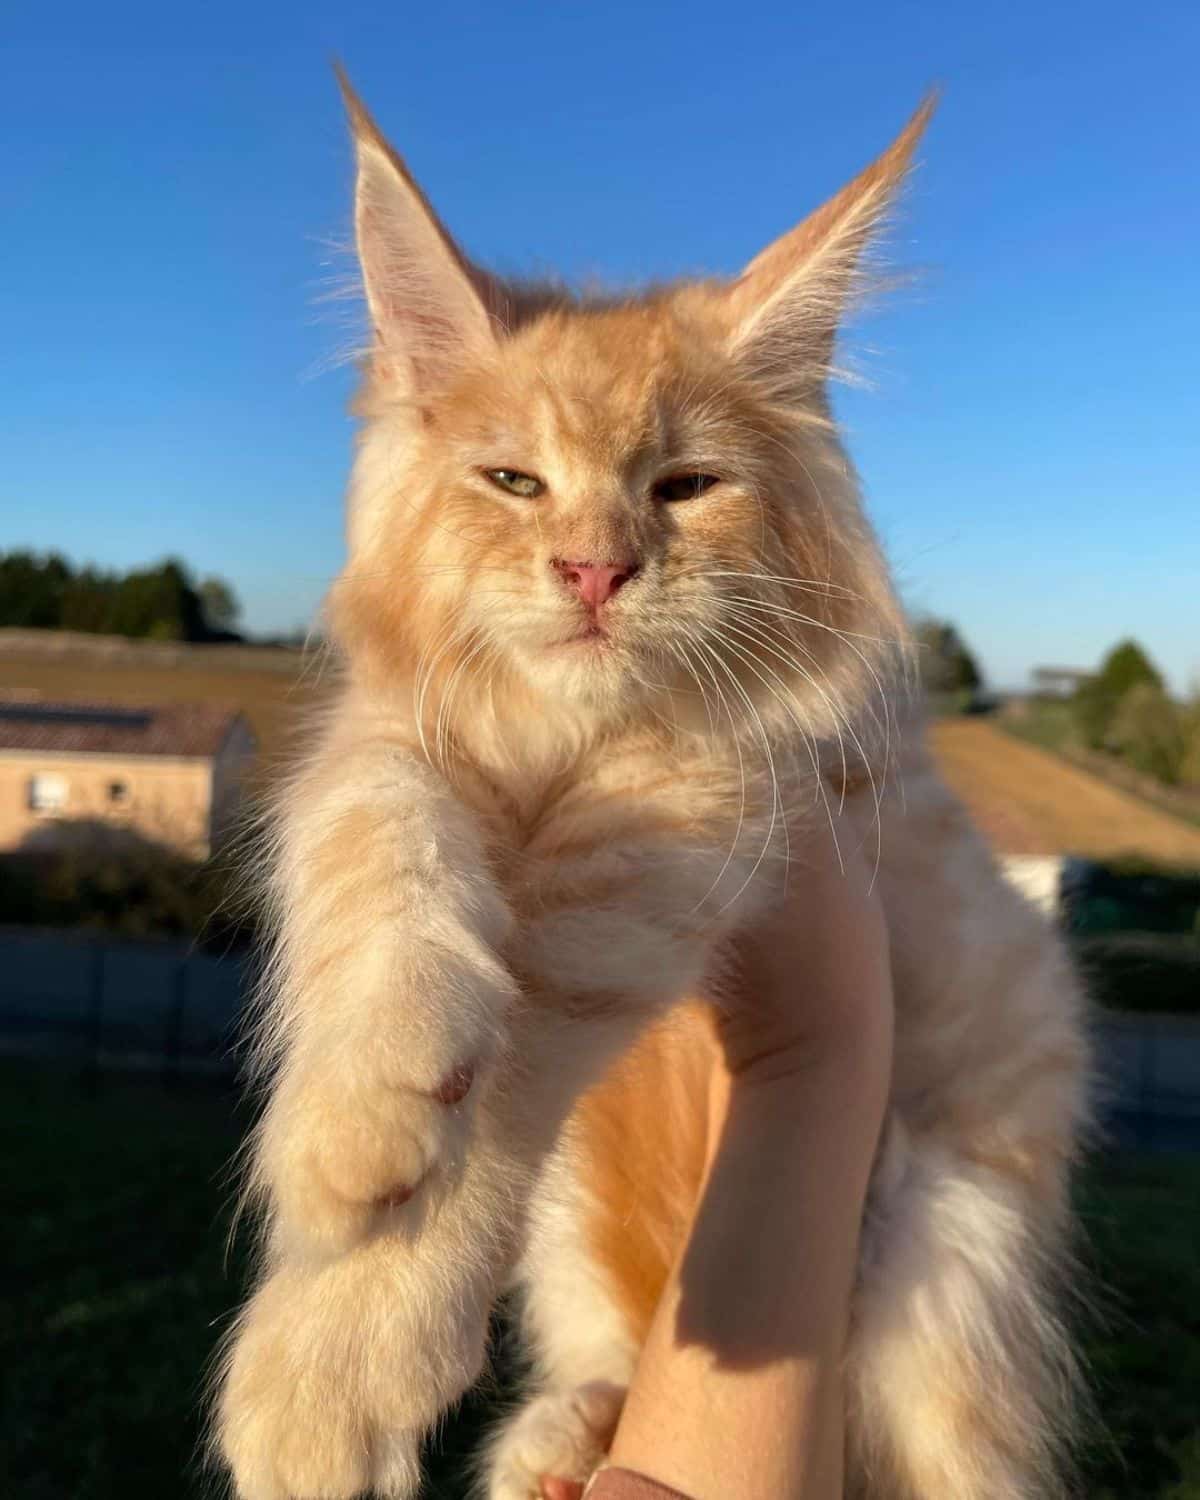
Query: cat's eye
(684, 486)
(527, 486)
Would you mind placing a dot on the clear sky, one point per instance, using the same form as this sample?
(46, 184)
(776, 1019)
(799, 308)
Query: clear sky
(175, 175)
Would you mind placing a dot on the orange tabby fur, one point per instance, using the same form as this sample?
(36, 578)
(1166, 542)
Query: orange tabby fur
(529, 828)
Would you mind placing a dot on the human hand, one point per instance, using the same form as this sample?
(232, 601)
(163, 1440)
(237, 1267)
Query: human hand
(810, 987)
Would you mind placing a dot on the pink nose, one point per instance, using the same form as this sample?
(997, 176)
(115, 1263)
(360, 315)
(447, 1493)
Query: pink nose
(595, 583)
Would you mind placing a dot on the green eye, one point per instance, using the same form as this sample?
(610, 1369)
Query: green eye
(684, 486)
(516, 483)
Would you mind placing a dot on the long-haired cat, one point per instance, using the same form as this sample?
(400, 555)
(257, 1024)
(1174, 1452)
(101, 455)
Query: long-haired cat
(615, 634)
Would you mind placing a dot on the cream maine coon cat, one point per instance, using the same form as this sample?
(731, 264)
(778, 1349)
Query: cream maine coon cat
(612, 626)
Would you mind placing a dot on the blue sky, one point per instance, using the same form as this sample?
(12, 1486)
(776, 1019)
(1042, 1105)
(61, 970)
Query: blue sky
(175, 177)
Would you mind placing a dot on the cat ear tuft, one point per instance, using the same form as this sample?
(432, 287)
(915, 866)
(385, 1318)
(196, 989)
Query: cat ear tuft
(786, 306)
(428, 305)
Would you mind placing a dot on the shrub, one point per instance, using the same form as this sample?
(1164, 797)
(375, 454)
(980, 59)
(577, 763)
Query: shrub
(1142, 972)
(1096, 701)
(1149, 733)
(126, 885)
(1131, 895)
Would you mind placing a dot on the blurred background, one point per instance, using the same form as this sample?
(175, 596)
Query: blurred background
(174, 362)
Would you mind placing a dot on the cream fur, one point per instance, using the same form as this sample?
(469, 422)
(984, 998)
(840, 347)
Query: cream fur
(511, 849)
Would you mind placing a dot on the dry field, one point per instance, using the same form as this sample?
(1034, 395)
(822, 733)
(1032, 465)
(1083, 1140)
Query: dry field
(1027, 800)
(271, 687)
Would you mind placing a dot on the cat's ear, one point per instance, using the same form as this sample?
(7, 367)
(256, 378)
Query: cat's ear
(431, 310)
(785, 308)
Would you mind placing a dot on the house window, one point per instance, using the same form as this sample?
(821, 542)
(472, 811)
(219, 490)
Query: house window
(47, 793)
(118, 793)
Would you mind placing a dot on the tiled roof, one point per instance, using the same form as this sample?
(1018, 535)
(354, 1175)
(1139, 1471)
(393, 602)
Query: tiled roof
(176, 729)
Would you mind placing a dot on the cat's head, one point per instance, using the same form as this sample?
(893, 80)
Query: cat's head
(613, 503)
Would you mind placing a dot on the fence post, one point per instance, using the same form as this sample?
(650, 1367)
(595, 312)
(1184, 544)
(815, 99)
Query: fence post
(1150, 1086)
(94, 1024)
(175, 1022)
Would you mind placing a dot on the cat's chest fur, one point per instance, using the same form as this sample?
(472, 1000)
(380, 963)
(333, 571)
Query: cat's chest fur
(633, 848)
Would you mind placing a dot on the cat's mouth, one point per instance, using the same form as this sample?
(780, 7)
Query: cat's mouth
(593, 633)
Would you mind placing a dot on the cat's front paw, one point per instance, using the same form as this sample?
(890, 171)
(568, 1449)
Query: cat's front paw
(554, 1444)
(335, 1374)
(345, 1158)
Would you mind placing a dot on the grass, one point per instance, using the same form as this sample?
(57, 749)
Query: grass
(1048, 724)
(116, 1273)
(1142, 1221)
(117, 1287)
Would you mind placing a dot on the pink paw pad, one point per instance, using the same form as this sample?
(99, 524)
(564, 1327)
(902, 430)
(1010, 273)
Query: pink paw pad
(456, 1085)
(397, 1198)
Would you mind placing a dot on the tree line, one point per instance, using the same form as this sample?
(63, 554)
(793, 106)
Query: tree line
(161, 602)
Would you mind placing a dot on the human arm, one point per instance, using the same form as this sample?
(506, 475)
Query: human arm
(738, 1389)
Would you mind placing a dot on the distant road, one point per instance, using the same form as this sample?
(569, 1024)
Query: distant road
(1029, 801)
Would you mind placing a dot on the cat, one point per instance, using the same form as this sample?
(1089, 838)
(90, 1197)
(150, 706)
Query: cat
(614, 633)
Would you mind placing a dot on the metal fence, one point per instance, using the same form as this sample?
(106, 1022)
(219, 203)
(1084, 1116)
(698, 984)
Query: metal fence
(1148, 1089)
(105, 1003)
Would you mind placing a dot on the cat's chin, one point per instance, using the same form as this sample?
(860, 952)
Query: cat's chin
(590, 670)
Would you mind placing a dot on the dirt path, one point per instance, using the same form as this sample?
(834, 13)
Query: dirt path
(1031, 802)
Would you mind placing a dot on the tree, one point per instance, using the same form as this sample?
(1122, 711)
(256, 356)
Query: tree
(219, 605)
(1096, 700)
(1189, 761)
(947, 666)
(160, 602)
(88, 601)
(31, 589)
(1149, 732)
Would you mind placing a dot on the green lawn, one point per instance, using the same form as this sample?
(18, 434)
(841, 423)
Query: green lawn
(1049, 724)
(118, 1285)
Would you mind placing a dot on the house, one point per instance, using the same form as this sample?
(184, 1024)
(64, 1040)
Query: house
(1058, 682)
(171, 773)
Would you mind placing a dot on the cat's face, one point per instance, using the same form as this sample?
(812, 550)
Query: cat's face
(598, 502)
(620, 503)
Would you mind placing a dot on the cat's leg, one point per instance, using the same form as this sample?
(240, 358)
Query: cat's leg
(338, 1369)
(395, 1160)
(581, 1344)
(959, 1376)
(386, 1005)
(385, 996)
(340, 1364)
